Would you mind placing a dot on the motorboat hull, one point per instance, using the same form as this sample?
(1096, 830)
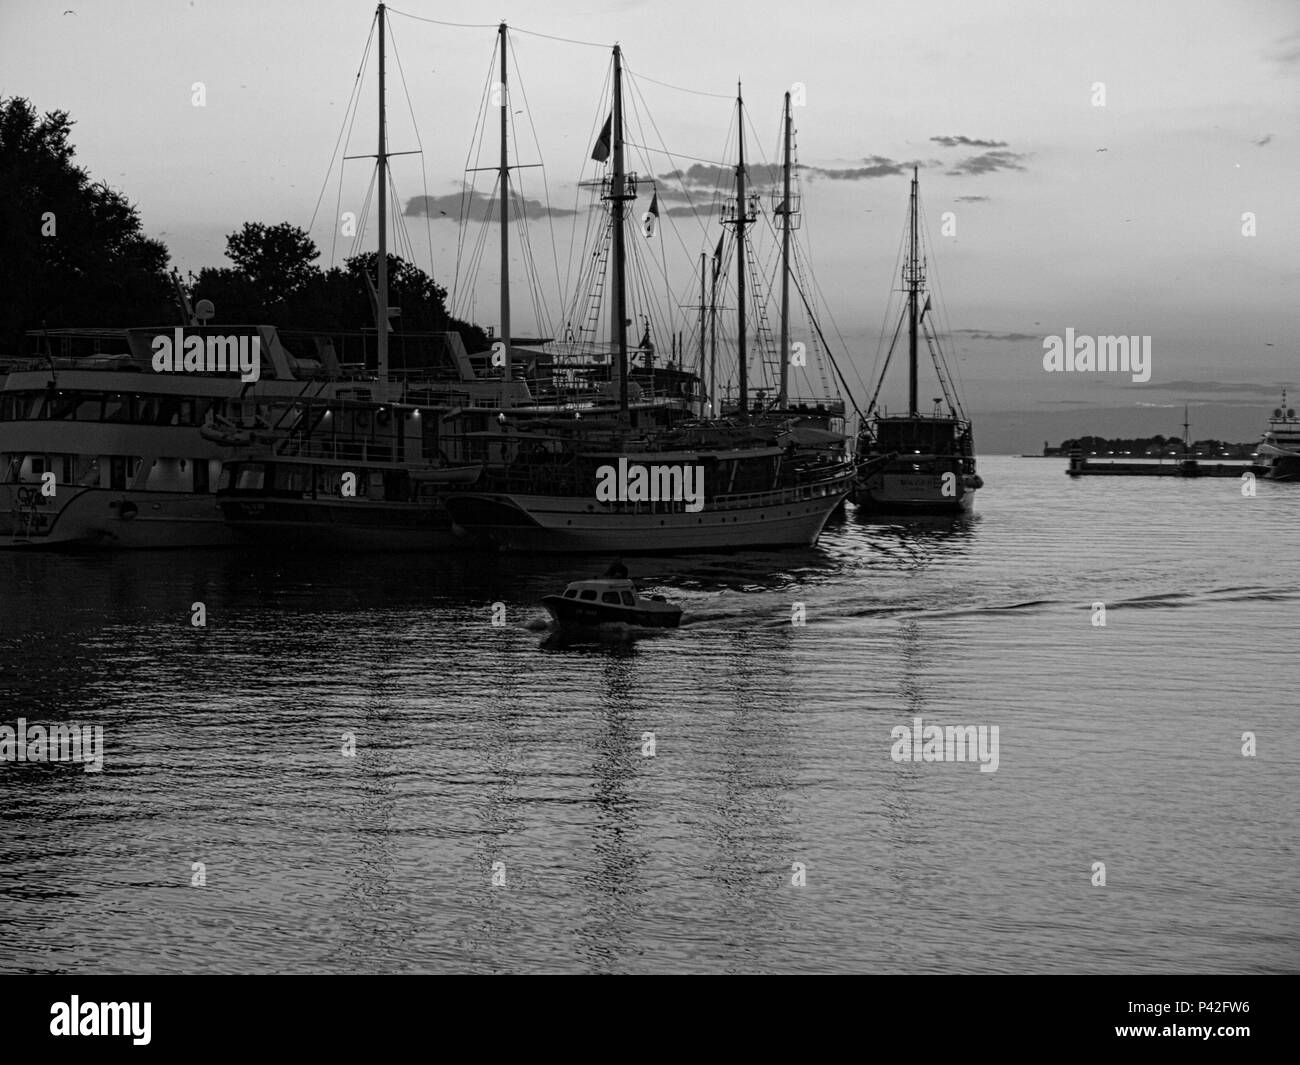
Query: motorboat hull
(580, 613)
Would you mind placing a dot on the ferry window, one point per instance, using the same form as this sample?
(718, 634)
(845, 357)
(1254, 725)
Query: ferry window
(570, 593)
(90, 478)
(292, 478)
(88, 408)
(69, 464)
(61, 405)
(200, 474)
(187, 412)
(588, 593)
(610, 597)
(117, 409)
(169, 410)
(11, 407)
(628, 599)
(250, 477)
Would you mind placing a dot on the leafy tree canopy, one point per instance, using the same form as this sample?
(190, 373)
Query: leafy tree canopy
(72, 252)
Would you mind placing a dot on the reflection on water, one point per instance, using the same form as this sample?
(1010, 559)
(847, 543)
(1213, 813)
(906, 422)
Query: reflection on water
(523, 800)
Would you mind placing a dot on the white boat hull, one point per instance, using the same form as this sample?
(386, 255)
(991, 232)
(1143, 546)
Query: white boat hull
(561, 525)
(912, 493)
(1279, 463)
(113, 519)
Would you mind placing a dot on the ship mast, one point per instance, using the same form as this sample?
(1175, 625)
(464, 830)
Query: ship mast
(381, 294)
(618, 195)
(740, 259)
(715, 407)
(783, 396)
(505, 213)
(913, 279)
(702, 320)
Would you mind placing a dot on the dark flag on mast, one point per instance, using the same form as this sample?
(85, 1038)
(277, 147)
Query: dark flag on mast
(717, 258)
(652, 216)
(601, 152)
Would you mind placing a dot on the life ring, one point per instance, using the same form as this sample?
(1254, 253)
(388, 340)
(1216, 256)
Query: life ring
(362, 419)
(25, 496)
(383, 419)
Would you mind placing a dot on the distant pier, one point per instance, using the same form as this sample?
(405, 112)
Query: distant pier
(1080, 466)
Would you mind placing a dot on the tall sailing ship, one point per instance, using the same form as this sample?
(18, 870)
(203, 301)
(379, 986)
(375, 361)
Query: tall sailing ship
(916, 462)
(617, 489)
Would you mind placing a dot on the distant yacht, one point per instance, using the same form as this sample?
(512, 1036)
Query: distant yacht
(916, 462)
(1279, 451)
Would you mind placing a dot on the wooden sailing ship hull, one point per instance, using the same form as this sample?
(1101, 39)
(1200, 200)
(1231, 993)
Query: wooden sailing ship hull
(339, 525)
(913, 491)
(541, 524)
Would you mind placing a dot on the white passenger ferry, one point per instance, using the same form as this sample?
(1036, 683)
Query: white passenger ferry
(98, 449)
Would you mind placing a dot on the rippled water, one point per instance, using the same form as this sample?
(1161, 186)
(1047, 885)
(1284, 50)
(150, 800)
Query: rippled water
(478, 744)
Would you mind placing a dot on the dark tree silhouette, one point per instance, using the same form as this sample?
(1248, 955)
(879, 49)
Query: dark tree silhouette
(71, 250)
(278, 260)
(275, 280)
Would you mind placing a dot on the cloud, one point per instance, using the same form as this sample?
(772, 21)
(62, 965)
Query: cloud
(703, 178)
(1261, 141)
(980, 334)
(966, 142)
(1185, 387)
(988, 162)
(972, 199)
(877, 166)
(687, 185)
(1286, 50)
(478, 206)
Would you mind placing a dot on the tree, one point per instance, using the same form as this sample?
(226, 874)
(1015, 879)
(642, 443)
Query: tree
(72, 252)
(278, 260)
(275, 280)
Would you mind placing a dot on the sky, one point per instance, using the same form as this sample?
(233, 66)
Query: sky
(1111, 212)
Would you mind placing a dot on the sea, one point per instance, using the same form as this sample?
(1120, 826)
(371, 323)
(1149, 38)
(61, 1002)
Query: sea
(389, 764)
